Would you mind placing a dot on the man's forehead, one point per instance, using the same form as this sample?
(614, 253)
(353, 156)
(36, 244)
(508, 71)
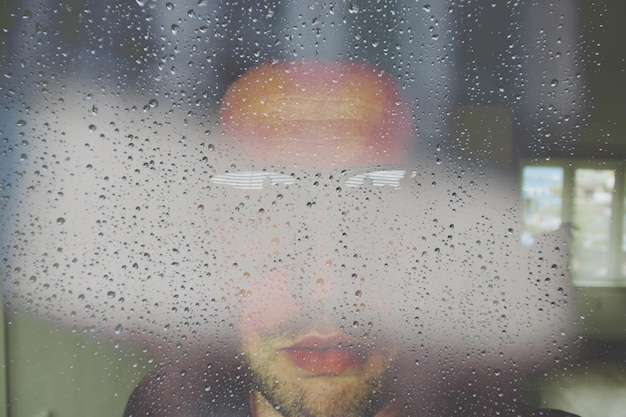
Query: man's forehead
(325, 115)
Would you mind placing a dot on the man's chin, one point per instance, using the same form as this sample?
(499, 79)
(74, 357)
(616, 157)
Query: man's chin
(344, 395)
(343, 386)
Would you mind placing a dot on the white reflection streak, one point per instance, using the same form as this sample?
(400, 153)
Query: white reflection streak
(121, 257)
(133, 228)
(250, 180)
(254, 180)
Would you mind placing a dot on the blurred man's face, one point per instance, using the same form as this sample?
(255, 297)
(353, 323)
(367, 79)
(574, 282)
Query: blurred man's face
(313, 313)
(346, 285)
(303, 358)
(310, 315)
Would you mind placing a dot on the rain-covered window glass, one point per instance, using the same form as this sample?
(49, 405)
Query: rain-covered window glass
(296, 209)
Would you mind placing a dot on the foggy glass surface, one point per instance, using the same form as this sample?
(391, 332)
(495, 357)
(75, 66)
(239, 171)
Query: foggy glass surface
(141, 245)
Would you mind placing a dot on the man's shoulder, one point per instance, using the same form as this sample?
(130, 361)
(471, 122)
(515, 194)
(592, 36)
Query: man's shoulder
(188, 390)
(192, 389)
(549, 413)
(486, 411)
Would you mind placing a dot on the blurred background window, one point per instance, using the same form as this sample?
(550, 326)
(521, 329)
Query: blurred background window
(587, 203)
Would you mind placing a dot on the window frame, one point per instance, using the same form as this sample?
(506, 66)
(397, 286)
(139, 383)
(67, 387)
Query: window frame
(617, 238)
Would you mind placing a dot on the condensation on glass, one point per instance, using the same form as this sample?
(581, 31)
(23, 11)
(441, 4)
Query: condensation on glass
(139, 245)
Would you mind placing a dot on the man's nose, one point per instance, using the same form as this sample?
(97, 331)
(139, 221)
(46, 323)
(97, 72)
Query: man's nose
(322, 280)
(320, 263)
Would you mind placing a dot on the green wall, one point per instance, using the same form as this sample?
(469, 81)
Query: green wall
(54, 372)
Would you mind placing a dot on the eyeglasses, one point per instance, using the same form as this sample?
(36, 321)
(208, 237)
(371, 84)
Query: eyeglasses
(378, 176)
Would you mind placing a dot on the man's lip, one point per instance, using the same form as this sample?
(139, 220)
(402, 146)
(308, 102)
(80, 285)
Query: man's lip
(318, 356)
(320, 342)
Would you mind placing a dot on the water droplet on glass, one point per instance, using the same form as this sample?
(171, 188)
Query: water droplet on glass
(118, 329)
(21, 122)
(153, 103)
(60, 221)
(353, 8)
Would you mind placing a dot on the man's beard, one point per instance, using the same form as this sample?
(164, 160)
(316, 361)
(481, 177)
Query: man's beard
(354, 394)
